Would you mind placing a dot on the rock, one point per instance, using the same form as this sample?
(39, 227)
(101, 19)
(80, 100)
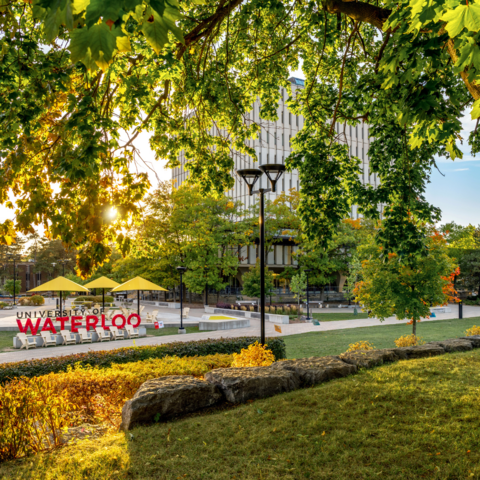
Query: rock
(454, 345)
(242, 384)
(419, 351)
(314, 370)
(474, 339)
(168, 397)
(370, 358)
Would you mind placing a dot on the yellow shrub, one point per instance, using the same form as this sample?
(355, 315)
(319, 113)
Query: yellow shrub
(472, 331)
(33, 414)
(255, 355)
(287, 310)
(252, 308)
(243, 308)
(361, 345)
(294, 308)
(409, 341)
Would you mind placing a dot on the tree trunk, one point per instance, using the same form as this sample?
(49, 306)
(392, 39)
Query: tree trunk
(414, 328)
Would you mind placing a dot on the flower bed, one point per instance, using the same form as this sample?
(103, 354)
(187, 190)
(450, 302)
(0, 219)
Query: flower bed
(107, 358)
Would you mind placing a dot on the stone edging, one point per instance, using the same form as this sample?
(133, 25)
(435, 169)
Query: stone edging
(172, 396)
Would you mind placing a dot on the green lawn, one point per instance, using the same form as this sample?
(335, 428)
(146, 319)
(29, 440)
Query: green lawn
(337, 341)
(333, 317)
(6, 340)
(409, 420)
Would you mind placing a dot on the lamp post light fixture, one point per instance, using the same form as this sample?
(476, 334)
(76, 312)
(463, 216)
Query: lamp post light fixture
(273, 171)
(14, 258)
(308, 304)
(181, 271)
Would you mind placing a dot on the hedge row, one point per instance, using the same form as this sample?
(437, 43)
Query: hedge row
(93, 298)
(106, 358)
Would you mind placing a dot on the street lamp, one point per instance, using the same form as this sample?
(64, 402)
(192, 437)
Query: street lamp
(181, 271)
(14, 258)
(63, 261)
(273, 172)
(308, 305)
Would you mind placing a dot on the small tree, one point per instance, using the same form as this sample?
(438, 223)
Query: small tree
(298, 286)
(8, 286)
(251, 281)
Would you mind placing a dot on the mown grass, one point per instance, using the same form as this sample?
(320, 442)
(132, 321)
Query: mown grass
(334, 317)
(335, 342)
(409, 420)
(6, 340)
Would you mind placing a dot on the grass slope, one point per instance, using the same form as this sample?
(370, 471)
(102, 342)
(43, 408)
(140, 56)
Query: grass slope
(335, 317)
(412, 419)
(335, 342)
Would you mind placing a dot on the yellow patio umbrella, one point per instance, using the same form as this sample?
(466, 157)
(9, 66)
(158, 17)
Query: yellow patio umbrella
(103, 283)
(60, 284)
(139, 284)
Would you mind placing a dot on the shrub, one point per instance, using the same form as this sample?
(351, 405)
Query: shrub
(361, 345)
(93, 299)
(34, 300)
(252, 308)
(107, 358)
(472, 331)
(32, 415)
(243, 308)
(100, 393)
(255, 355)
(3, 304)
(409, 341)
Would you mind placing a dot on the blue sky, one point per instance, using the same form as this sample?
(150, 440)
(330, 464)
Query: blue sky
(458, 191)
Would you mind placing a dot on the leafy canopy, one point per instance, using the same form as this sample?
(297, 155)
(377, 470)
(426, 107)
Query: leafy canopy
(80, 80)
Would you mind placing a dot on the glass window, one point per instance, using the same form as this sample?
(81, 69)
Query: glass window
(252, 254)
(289, 118)
(296, 119)
(279, 254)
(282, 116)
(287, 255)
(271, 257)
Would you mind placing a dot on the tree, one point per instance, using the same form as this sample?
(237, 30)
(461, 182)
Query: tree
(251, 281)
(298, 286)
(388, 286)
(8, 286)
(80, 82)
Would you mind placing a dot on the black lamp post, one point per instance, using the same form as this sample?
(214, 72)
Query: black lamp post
(273, 172)
(308, 304)
(63, 261)
(14, 274)
(181, 271)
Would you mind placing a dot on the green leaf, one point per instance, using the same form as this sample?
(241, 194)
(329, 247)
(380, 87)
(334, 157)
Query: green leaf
(97, 44)
(464, 16)
(476, 110)
(106, 9)
(155, 28)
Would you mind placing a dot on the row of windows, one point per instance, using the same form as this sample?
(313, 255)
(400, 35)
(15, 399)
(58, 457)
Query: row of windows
(278, 255)
(274, 135)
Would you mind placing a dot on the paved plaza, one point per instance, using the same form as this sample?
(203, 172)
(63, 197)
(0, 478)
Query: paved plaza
(7, 318)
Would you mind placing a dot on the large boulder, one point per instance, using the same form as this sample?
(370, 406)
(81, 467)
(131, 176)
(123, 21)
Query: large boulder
(370, 358)
(474, 340)
(166, 397)
(314, 370)
(419, 351)
(242, 384)
(454, 345)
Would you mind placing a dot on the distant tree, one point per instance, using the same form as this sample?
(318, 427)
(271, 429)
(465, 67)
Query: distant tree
(9, 286)
(251, 281)
(298, 286)
(405, 287)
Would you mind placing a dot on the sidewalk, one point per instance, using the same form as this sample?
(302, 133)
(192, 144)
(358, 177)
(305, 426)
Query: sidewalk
(253, 330)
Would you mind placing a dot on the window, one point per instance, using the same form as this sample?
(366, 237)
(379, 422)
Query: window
(260, 157)
(289, 139)
(275, 138)
(282, 116)
(275, 159)
(268, 157)
(289, 118)
(362, 131)
(268, 138)
(260, 136)
(350, 130)
(356, 151)
(296, 119)
(283, 142)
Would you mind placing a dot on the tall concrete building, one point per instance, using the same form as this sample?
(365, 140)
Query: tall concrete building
(274, 146)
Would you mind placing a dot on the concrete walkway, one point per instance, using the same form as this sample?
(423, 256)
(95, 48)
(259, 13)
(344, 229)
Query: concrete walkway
(253, 330)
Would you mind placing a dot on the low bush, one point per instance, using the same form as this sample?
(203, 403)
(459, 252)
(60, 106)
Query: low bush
(106, 358)
(33, 413)
(409, 341)
(255, 355)
(3, 304)
(472, 331)
(93, 299)
(361, 345)
(34, 300)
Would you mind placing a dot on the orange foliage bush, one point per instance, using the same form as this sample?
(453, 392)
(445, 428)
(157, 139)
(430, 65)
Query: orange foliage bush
(409, 341)
(255, 355)
(361, 345)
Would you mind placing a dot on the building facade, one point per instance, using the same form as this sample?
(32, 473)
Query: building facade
(273, 146)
